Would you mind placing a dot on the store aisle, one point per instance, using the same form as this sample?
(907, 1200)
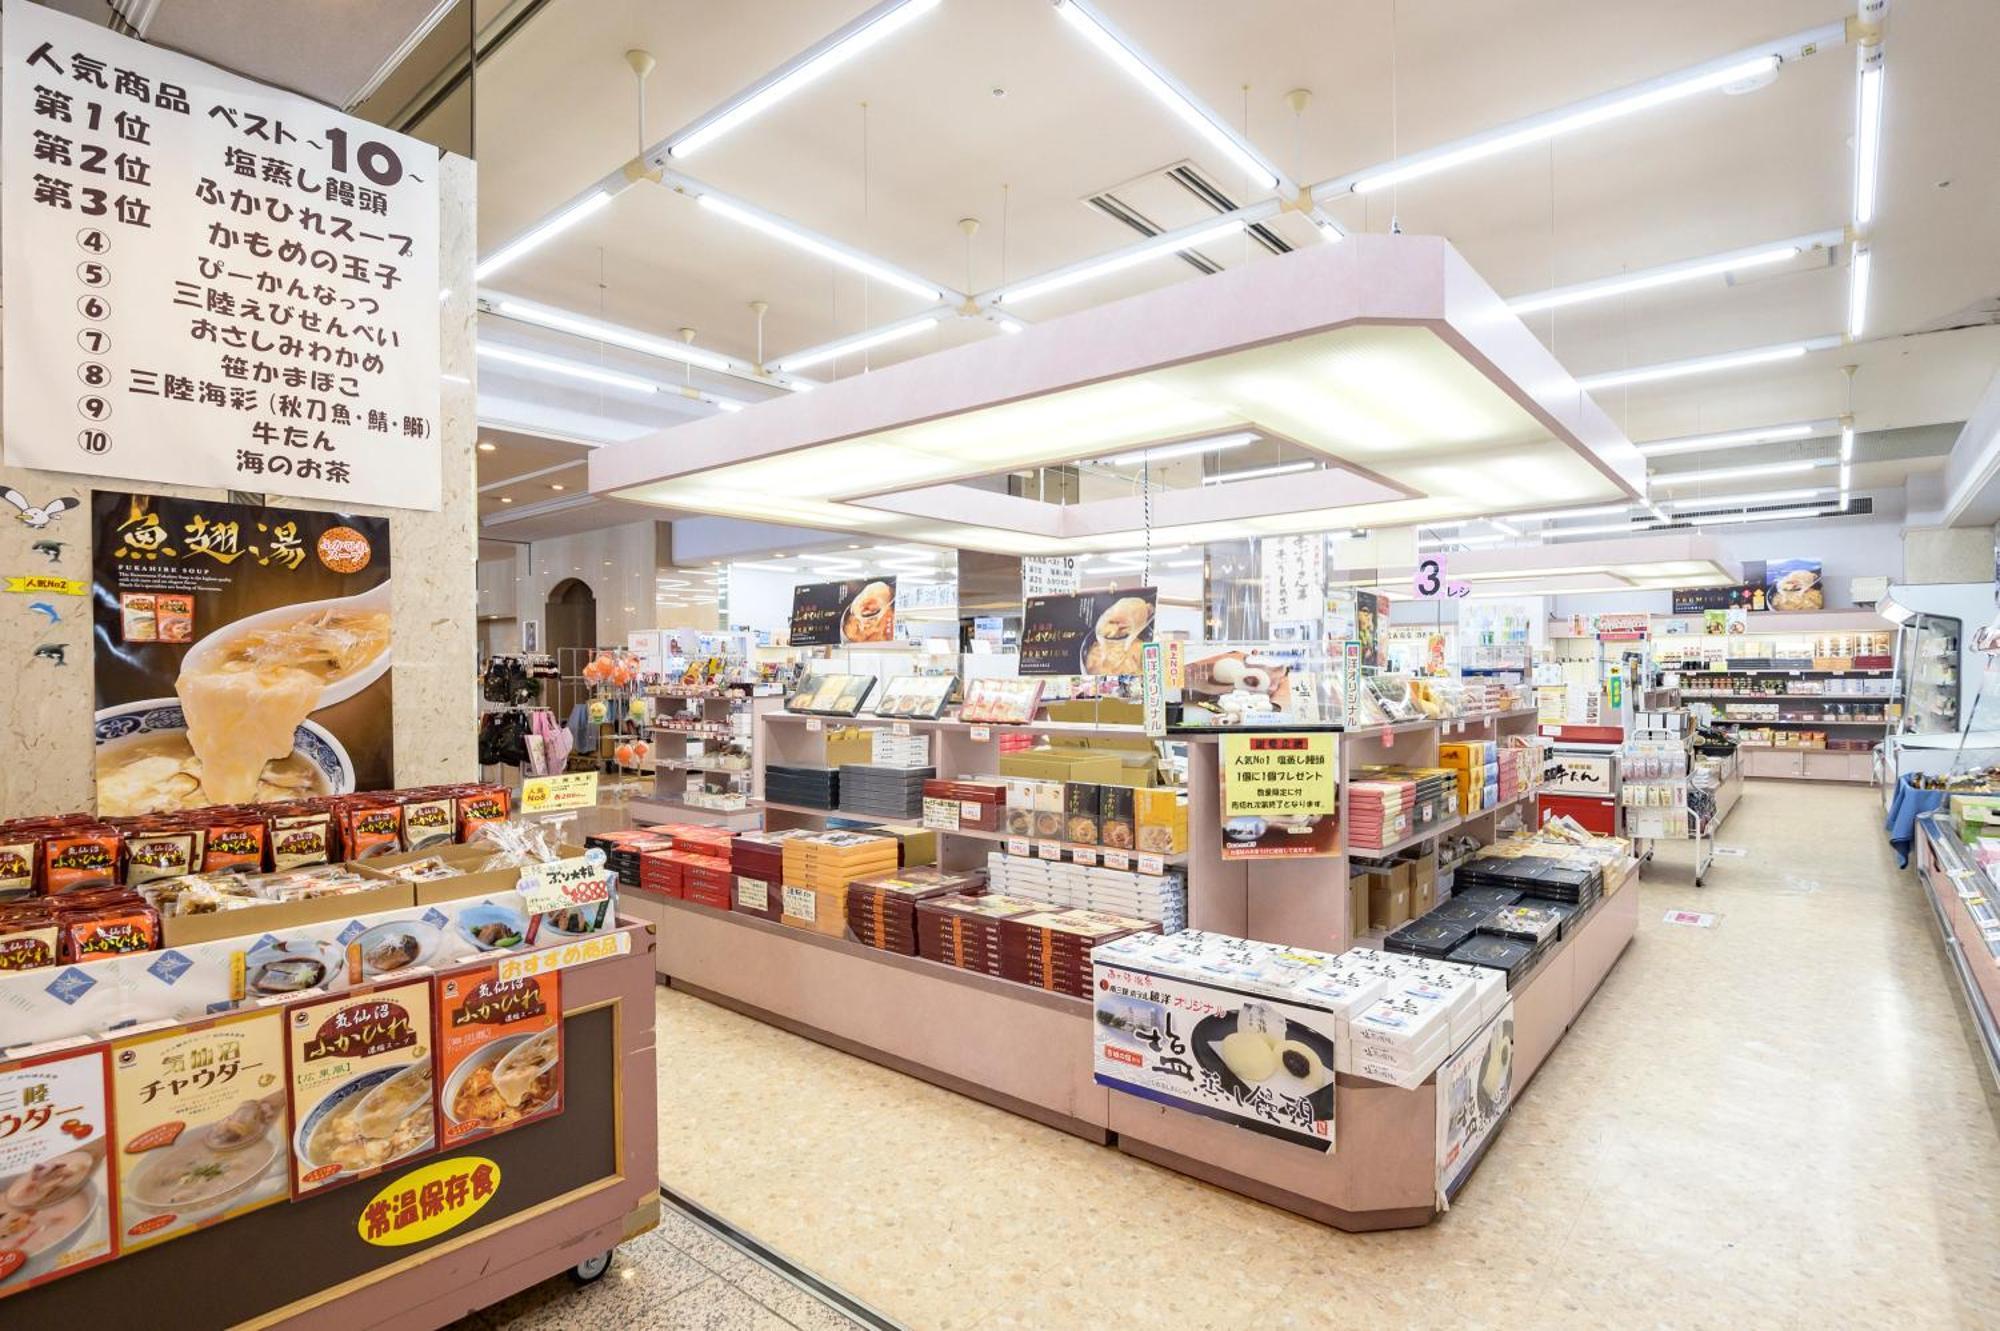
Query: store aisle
(1777, 1121)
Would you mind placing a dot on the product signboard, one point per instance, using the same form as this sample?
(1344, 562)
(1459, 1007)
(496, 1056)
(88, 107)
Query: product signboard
(1794, 584)
(57, 1211)
(1371, 629)
(361, 1073)
(499, 1052)
(210, 282)
(243, 653)
(1623, 627)
(1474, 1088)
(1093, 633)
(1056, 575)
(1294, 577)
(828, 614)
(1261, 1063)
(1280, 796)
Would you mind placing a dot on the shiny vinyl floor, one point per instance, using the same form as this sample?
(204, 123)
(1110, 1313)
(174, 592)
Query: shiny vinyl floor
(1779, 1121)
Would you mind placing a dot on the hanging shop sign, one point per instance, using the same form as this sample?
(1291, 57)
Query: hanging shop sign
(55, 1113)
(1259, 1063)
(1057, 575)
(242, 656)
(1371, 624)
(1280, 796)
(1695, 600)
(1294, 577)
(1152, 690)
(1475, 1087)
(210, 282)
(1094, 633)
(1794, 584)
(828, 614)
(1432, 579)
(1623, 627)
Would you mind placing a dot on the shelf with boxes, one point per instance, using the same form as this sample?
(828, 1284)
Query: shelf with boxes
(703, 739)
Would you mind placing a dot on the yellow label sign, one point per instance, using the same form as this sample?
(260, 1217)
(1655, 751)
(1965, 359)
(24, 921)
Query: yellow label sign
(1278, 775)
(595, 948)
(426, 1202)
(555, 794)
(43, 584)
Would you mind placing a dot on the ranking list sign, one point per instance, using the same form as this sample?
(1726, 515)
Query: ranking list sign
(209, 282)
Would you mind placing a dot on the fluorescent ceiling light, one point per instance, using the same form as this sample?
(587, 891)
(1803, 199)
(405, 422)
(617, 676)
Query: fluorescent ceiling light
(1774, 515)
(1637, 525)
(767, 568)
(1258, 473)
(536, 236)
(1460, 540)
(562, 321)
(1166, 91)
(881, 337)
(1760, 497)
(1184, 563)
(1500, 526)
(1702, 443)
(1668, 275)
(528, 360)
(1734, 473)
(723, 403)
(1846, 478)
(811, 244)
(1172, 243)
(1857, 290)
(870, 29)
(1644, 374)
(1846, 443)
(1010, 325)
(1611, 108)
(1216, 443)
(1868, 138)
(1592, 512)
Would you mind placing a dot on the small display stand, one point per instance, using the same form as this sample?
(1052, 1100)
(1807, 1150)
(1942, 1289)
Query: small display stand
(563, 1193)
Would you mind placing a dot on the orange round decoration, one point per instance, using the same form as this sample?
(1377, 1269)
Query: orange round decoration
(344, 550)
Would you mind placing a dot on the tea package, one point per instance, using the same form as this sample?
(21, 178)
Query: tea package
(57, 1214)
(499, 1052)
(202, 1131)
(361, 1078)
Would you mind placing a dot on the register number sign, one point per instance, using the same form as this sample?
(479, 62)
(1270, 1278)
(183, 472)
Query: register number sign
(210, 282)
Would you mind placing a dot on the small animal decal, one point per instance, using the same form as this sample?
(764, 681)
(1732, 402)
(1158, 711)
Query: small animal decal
(53, 549)
(43, 607)
(53, 651)
(41, 517)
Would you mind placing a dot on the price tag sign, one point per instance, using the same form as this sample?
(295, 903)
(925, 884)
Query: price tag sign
(1152, 864)
(557, 794)
(899, 727)
(1048, 850)
(813, 723)
(560, 884)
(1117, 859)
(980, 734)
(1084, 856)
(1017, 845)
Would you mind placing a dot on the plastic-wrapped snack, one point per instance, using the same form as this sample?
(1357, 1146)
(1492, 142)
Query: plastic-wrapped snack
(514, 845)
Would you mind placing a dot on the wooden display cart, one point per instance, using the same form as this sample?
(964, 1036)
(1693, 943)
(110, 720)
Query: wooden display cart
(569, 1190)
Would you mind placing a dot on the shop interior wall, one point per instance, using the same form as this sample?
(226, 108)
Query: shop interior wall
(46, 708)
(619, 564)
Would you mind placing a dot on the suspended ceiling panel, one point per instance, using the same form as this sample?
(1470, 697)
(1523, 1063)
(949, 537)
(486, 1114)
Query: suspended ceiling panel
(1385, 356)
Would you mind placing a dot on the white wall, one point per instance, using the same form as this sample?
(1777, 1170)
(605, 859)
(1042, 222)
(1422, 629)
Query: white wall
(619, 565)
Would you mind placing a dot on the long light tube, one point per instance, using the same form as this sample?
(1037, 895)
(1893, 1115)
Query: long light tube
(1502, 527)
(1857, 290)
(1596, 510)
(1760, 497)
(1166, 90)
(881, 337)
(1868, 136)
(1732, 473)
(562, 321)
(1846, 443)
(872, 28)
(1649, 279)
(811, 244)
(1258, 473)
(540, 235)
(1645, 374)
(1171, 243)
(1704, 443)
(1504, 141)
(528, 360)
(1460, 540)
(1636, 526)
(1219, 443)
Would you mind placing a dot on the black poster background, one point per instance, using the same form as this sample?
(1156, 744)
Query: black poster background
(1750, 594)
(260, 577)
(1371, 628)
(1058, 632)
(819, 613)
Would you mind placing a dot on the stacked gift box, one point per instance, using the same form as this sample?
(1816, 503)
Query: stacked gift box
(1161, 898)
(1051, 949)
(1379, 812)
(817, 870)
(807, 787)
(967, 805)
(964, 931)
(1477, 763)
(883, 792)
(623, 849)
(882, 908)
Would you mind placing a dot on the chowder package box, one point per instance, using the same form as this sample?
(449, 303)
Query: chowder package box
(360, 1068)
(57, 1214)
(202, 1132)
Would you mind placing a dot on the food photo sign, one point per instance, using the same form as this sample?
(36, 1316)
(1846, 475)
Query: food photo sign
(243, 653)
(833, 614)
(57, 1212)
(1091, 633)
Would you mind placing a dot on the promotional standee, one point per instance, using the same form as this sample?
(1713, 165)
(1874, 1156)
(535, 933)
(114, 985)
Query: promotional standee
(830, 614)
(208, 282)
(243, 653)
(1094, 633)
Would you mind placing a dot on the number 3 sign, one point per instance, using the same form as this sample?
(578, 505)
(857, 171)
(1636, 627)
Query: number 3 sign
(1431, 579)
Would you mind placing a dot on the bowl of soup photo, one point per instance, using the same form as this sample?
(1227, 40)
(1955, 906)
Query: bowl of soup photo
(512, 1079)
(145, 763)
(44, 1208)
(377, 1117)
(211, 1165)
(342, 644)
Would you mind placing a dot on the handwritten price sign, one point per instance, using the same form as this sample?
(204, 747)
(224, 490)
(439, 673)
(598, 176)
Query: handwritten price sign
(560, 884)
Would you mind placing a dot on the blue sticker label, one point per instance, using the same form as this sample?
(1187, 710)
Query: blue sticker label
(263, 942)
(436, 918)
(170, 967)
(353, 931)
(223, 1006)
(70, 985)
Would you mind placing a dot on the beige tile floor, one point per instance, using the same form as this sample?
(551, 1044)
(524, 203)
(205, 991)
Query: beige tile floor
(1776, 1122)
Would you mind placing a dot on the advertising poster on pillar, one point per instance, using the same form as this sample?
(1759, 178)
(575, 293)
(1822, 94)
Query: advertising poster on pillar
(833, 614)
(1092, 633)
(242, 653)
(210, 282)
(1371, 628)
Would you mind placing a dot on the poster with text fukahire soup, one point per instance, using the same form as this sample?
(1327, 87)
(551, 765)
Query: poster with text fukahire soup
(243, 653)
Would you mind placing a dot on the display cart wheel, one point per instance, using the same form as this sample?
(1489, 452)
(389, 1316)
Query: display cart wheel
(592, 1269)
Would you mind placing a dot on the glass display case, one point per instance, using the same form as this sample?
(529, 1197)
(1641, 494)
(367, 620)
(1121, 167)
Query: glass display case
(1927, 657)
